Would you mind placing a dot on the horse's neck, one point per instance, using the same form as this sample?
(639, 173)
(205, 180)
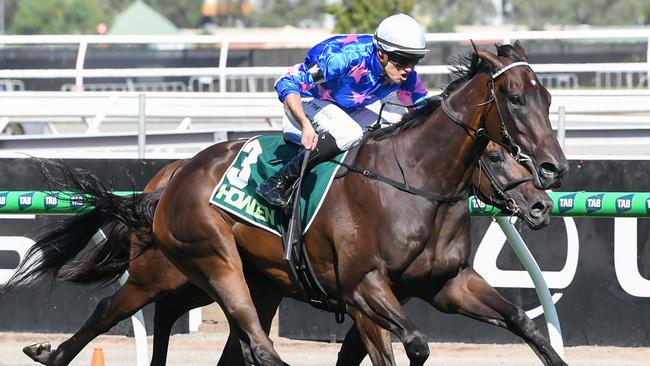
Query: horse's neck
(439, 155)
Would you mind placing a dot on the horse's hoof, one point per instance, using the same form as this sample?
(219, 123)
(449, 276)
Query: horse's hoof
(38, 351)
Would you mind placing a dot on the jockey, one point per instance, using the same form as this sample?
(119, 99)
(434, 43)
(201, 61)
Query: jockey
(326, 96)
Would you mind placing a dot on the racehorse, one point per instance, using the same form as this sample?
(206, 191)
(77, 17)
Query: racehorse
(355, 273)
(498, 179)
(369, 235)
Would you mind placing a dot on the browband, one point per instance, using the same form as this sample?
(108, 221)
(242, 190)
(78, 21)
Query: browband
(508, 67)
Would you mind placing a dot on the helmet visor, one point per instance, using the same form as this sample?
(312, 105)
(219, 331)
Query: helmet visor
(403, 60)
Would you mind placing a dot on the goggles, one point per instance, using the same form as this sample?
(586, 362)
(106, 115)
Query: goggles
(403, 61)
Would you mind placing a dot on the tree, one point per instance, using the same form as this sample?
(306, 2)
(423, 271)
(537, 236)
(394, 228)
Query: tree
(573, 12)
(363, 16)
(82, 16)
(183, 13)
(56, 17)
(299, 13)
(444, 15)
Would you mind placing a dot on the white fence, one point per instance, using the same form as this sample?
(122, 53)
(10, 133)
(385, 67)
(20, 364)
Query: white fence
(597, 122)
(563, 75)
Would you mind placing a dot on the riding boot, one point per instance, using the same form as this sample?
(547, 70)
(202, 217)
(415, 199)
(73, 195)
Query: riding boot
(275, 190)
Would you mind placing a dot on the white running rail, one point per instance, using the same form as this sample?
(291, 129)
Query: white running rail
(260, 40)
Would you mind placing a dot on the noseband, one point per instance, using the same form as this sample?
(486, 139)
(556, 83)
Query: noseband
(481, 132)
(500, 198)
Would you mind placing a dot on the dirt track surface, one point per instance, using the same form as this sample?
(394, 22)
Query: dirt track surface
(204, 347)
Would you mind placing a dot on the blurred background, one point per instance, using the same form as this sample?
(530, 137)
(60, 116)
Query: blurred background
(129, 85)
(81, 66)
(210, 16)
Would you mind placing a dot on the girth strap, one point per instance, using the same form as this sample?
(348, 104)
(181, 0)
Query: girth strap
(301, 271)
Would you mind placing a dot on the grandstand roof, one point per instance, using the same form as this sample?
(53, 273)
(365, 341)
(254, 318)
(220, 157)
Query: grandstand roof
(141, 19)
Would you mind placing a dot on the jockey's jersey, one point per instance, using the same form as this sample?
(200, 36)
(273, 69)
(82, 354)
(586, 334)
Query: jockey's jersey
(346, 70)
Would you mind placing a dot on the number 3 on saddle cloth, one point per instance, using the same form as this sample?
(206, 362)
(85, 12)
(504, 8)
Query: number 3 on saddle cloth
(259, 158)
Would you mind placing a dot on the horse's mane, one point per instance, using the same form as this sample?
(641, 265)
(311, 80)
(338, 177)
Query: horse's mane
(463, 68)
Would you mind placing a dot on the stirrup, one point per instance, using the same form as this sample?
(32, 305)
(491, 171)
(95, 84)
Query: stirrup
(268, 197)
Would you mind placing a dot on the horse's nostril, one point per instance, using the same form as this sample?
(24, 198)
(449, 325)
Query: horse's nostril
(539, 208)
(549, 169)
(554, 168)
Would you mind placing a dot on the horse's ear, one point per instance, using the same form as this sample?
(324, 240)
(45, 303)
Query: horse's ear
(491, 58)
(520, 50)
(473, 45)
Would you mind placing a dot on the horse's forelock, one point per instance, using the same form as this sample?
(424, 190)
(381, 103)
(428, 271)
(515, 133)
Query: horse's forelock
(509, 51)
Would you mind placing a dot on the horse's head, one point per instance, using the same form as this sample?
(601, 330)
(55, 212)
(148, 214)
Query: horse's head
(500, 181)
(522, 107)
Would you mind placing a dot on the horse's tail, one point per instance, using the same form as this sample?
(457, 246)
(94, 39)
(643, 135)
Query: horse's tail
(67, 250)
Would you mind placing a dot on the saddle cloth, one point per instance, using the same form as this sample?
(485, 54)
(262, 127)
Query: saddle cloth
(259, 158)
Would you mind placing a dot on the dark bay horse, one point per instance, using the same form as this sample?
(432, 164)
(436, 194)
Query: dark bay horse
(516, 92)
(369, 235)
(499, 179)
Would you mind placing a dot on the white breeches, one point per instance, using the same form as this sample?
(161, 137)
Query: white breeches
(325, 116)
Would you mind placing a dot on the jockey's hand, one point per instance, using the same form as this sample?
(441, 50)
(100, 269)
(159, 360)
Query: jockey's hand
(309, 138)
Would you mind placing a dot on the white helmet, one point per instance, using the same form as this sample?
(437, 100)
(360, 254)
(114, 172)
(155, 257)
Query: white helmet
(401, 34)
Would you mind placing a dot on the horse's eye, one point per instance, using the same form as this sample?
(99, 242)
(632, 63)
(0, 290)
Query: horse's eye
(495, 158)
(514, 99)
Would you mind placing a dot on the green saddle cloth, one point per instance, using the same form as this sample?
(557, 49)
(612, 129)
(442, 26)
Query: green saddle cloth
(259, 158)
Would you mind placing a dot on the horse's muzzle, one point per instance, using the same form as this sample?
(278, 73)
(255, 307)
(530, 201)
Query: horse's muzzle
(540, 213)
(550, 174)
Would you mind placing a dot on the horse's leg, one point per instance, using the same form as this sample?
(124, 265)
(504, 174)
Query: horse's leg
(266, 296)
(376, 300)
(108, 312)
(365, 338)
(210, 259)
(469, 294)
(168, 309)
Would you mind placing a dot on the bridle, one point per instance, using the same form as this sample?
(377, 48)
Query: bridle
(481, 132)
(500, 198)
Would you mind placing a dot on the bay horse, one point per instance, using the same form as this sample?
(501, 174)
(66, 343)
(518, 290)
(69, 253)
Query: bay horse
(526, 102)
(369, 235)
(498, 179)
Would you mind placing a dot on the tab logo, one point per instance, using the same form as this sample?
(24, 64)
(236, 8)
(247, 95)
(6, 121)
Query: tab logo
(594, 203)
(3, 199)
(77, 201)
(647, 205)
(566, 203)
(25, 201)
(477, 205)
(50, 201)
(624, 203)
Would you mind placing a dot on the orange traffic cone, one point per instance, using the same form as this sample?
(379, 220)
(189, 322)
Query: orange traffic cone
(98, 357)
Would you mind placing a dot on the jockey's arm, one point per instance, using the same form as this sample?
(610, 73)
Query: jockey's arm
(309, 137)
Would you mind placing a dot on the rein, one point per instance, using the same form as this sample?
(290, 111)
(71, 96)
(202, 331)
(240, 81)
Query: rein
(402, 186)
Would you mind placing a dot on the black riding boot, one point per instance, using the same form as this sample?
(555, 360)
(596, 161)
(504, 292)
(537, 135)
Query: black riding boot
(275, 189)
